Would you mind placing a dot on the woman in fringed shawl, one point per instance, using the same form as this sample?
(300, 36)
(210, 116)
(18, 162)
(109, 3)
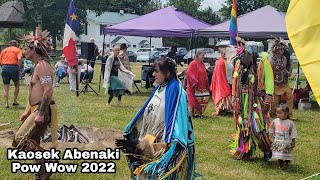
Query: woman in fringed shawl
(197, 86)
(116, 77)
(251, 104)
(160, 139)
(220, 87)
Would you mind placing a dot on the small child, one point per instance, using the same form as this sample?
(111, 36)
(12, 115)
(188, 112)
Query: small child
(283, 133)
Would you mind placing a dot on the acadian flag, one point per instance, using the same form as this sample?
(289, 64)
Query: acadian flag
(303, 27)
(233, 29)
(69, 37)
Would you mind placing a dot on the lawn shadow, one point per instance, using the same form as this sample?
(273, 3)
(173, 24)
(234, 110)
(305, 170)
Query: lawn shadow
(315, 106)
(142, 94)
(273, 165)
(18, 107)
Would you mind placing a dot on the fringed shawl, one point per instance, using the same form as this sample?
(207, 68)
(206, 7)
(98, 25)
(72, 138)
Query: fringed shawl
(219, 84)
(126, 73)
(178, 131)
(196, 79)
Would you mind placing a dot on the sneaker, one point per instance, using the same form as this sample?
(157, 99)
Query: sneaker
(108, 105)
(57, 85)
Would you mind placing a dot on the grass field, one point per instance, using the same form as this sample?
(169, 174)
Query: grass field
(213, 135)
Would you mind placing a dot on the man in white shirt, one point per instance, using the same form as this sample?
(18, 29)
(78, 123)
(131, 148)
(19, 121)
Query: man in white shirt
(86, 71)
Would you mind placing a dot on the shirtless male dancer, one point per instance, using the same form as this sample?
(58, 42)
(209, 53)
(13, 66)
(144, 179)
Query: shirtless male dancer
(41, 110)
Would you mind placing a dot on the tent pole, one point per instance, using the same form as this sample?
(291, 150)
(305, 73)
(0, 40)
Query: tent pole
(10, 33)
(102, 56)
(190, 48)
(190, 42)
(150, 51)
(298, 75)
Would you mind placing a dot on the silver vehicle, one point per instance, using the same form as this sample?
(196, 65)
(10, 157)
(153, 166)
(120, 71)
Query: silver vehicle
(209, 53)
(146, 56)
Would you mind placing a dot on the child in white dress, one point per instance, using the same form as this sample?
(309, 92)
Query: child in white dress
(283, 133)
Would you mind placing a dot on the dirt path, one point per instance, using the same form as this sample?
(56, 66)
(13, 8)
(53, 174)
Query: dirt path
(101, 138)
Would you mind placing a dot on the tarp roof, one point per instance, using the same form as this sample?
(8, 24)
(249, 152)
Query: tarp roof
(166, 22)
(264, 22)
(11, 14)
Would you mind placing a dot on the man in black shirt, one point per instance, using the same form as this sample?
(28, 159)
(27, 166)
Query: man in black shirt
(173, 55)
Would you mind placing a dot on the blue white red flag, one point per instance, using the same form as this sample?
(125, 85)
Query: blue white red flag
(69, 37)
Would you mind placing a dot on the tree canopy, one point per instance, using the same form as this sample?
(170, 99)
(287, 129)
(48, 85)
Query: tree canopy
(245, 6)
(51, 14)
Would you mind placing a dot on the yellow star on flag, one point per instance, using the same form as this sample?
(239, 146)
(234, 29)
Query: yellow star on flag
(73, 17)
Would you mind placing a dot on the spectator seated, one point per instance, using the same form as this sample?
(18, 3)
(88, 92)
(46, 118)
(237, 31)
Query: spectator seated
(86, 71)
(61, 71)
(28, 67)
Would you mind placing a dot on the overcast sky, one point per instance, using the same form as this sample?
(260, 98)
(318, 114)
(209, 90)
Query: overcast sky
(214, 4)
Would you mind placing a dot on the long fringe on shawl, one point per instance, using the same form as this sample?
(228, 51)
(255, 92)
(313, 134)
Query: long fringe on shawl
(174, 164)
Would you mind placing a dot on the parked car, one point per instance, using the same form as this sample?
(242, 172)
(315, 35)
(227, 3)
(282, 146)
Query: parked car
(146, 56)
(181, 52)
(163, 51)
(210, 53)
(142, 50)
(132, 56)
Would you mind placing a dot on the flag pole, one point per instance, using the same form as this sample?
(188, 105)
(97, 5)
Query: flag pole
(77, 78)
(69, 41)
(102, 62)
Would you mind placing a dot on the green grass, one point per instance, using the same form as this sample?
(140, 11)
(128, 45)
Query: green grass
(212, 135)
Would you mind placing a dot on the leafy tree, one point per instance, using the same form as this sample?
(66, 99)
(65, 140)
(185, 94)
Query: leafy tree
(245, 6)
(192, 7)
(189, 6)
(134, 6)
(51, 14)
(207, 15)
(152, 6)
(282, 5)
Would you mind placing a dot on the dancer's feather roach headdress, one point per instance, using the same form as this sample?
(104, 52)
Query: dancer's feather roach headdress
(41, 41)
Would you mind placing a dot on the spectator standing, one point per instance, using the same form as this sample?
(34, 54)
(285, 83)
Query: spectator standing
(104, 54)
(173, 55)
(72, 77)
(95, 53)
(9, 60)
(123, 56)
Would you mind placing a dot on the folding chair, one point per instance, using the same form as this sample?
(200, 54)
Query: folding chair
(146, 75)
